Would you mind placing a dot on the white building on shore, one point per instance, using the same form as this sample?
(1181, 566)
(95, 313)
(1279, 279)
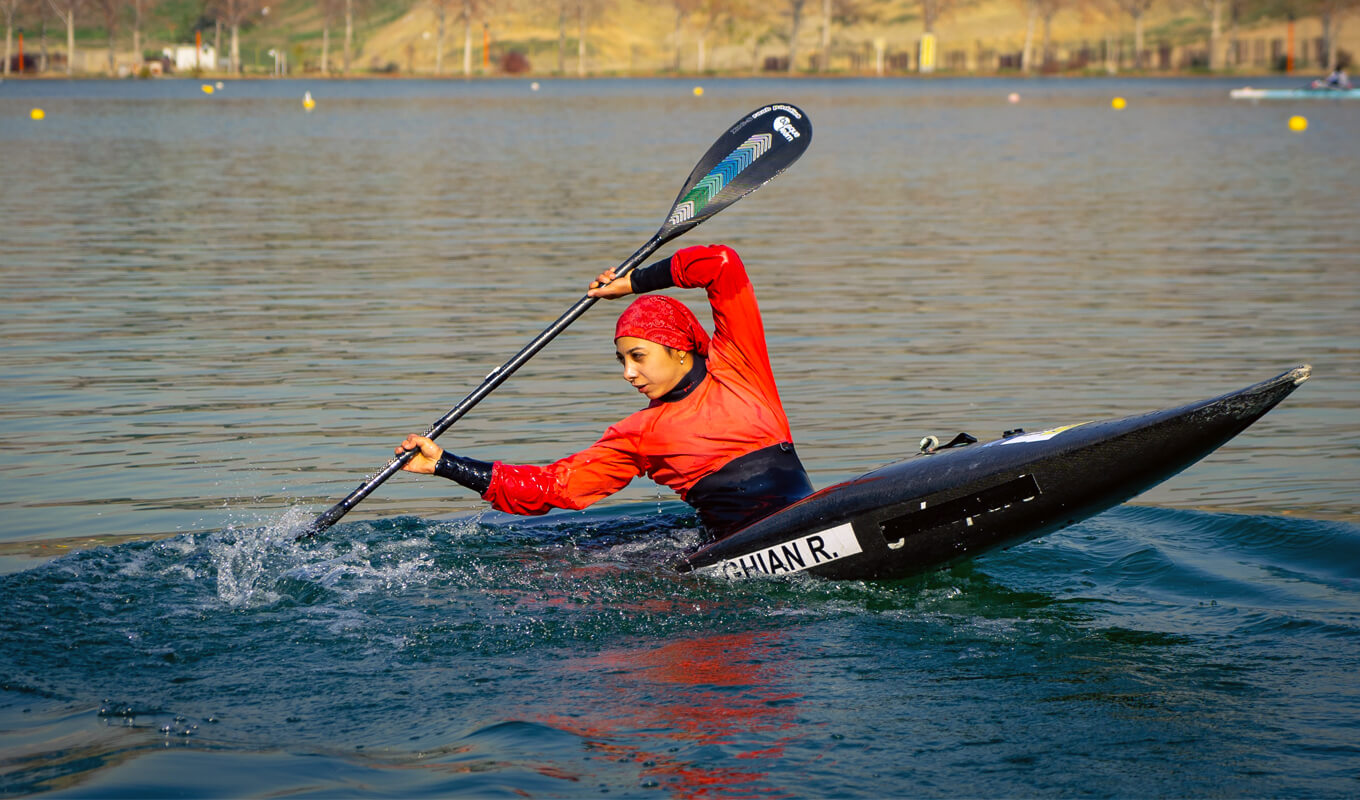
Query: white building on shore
(187, 58)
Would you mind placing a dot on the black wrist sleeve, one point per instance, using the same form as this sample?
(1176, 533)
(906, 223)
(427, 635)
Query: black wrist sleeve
(474, 474)
(653, 277)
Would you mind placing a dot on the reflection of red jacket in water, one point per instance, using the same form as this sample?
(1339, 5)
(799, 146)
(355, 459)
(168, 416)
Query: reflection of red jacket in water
(733, 412)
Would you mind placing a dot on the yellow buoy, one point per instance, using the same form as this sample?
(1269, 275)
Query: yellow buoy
(307, 101)
(37, 113)
(1298, 124)
(207, 88)
(1118, 103)
(698, 91)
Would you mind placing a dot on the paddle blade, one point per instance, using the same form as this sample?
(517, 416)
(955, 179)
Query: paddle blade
(762, 145)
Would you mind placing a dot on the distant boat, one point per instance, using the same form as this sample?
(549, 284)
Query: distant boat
(1248, 93)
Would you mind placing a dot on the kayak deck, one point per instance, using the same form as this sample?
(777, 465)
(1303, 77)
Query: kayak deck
(934, 509)
(1248, 93)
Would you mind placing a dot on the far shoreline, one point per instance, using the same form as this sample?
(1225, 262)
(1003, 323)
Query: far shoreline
(940, 75)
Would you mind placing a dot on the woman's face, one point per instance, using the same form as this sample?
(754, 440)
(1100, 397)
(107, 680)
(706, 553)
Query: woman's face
(651, 368)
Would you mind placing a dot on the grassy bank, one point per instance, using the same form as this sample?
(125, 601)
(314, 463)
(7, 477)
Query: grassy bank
(632, 37)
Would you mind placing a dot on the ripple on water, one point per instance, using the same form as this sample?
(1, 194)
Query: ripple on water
(563, 651)
(191, 342)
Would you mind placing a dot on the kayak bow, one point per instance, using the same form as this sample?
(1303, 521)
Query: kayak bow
(944, 506)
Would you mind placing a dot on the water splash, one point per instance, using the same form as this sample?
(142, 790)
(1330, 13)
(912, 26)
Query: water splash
(247, 558)
(405, 636)
(263, 565)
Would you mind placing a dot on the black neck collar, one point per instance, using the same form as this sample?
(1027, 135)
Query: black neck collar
(687, 384)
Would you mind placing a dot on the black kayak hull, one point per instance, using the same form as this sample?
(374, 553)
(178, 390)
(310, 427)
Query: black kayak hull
(932, 510)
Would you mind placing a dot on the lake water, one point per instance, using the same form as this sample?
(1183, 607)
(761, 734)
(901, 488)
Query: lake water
(221, 312)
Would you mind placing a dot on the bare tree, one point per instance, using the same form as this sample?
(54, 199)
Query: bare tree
(1136, 9)
(1027, 51)
(932, 11)
(561, 36)
(441, 13)
(110, 8)
(745, 21)
(584, 11)
(1108, 11)
(42, 37)
(234, 13)
(1330, 13)
(795, 27)
(1215, 9)
(9, 8)
(66, 11)
(330, 9)
(724, 13)
(683, 9)
(566, 9)
(470, 7)
(349, 35)
(824, 50)
(1238, 12)
(845, 13)
(1048, 9)
(1234, 56)
(580, 38)
(713, 13)
(139, 9)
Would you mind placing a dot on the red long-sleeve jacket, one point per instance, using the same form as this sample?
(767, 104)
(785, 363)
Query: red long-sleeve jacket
(735, 410)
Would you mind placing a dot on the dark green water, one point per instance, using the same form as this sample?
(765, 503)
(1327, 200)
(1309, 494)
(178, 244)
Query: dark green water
(1146, 652)
(220, 312)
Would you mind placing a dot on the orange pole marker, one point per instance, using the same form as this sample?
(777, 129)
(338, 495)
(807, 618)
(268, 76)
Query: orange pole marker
(1289, 51)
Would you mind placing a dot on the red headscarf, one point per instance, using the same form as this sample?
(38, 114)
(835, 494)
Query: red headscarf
(664, 320)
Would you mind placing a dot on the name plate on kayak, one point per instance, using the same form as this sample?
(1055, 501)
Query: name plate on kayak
(795, 555)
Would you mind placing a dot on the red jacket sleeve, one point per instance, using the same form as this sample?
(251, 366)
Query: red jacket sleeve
(738, 333)
(573, 482)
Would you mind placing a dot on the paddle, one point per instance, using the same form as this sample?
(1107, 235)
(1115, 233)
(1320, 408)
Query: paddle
(760, 146)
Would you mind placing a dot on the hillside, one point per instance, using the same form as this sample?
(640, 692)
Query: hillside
(639, 37)
(635, 37)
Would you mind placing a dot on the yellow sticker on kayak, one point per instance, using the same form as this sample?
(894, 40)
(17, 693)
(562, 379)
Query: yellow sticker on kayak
(1041, 436)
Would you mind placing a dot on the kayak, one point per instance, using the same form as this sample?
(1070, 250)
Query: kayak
(1248, 93)
(955, 502)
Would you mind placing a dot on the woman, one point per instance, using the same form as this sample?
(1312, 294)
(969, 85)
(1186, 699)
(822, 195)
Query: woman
(714, 430)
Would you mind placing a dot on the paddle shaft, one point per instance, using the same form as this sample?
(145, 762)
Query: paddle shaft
(493, 380)
(751, 153)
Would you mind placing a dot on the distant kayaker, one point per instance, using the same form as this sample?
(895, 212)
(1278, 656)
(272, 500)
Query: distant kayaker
(1337, 80)
(715, 431)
